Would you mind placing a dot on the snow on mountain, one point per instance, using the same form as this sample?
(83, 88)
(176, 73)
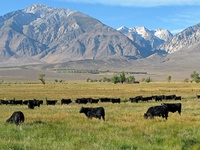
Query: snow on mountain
(148, 39)
(153, 37)
(163, 34)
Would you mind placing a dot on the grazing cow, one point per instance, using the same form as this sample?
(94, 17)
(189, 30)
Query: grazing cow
(82, 100)
(4, 102)
(51, 102)
(96, 112)
(178, 98)
(105, 99)
(146, 98)
(32, 103)
(17, 118)
(66, 101)
(161, 111)
(135, 99)
(170, 97)
(115, 100)
(173, 107)
(12, 102)
(158, 97)
(93, 101)
(198, 96)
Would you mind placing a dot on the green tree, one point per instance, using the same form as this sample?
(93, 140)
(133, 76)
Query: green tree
(122, 77)
(148, 80)
(115, 79)
(169, 78)
(41, 78)
(195, 77)
(130, 79)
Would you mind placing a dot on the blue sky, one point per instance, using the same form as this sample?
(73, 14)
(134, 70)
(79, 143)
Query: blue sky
(173, 15)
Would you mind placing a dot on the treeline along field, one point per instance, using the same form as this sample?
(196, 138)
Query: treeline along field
(63, 127)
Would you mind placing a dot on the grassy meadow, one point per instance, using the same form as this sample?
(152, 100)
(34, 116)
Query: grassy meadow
(62, 127)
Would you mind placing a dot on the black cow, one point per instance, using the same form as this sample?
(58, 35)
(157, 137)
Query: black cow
(158, 97)
(115, 100)
(93, 101)
(161, 111)
(178, 98)
(105, 99)
(66, 101)
(82, 100)
(135, 99)
(17, 118)
(33, 103)
(51, 102)
(146, 98)
(173, 107)
(96, 112)
(4, 102)
(170, 97)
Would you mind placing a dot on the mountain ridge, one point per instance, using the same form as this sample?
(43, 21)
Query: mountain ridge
(45, 37)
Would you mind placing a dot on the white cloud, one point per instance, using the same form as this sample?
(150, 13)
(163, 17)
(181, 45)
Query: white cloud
(139, 3)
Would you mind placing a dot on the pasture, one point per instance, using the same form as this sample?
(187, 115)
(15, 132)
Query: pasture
(62, 127)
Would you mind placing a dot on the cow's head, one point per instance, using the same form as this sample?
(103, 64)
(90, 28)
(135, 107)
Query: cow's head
(145, 116)
(82, 110)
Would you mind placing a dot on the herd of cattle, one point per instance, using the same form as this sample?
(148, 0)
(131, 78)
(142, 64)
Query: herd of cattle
(32, 103)
(99, 112)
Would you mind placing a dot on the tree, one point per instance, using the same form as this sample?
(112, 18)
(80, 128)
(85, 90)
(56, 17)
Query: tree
(148, 80)
(169, 78)
(130, 79)
(115, 79)
(195, 77)
(122, 77)
(41, 78)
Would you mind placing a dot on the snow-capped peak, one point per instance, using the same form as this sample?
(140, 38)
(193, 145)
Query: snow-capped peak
(163, 34)
(123, 29)
(37, 8)
(43, 10)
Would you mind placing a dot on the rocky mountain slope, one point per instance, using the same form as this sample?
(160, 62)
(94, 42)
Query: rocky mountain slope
(49, 35)
(188, 40)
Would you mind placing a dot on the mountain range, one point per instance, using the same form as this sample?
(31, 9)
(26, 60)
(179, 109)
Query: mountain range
(62, 38)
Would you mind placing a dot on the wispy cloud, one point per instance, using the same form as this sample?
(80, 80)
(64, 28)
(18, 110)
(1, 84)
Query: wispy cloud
(138, 3)
(185, 18)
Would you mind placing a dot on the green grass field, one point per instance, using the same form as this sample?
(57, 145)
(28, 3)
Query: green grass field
(62, 127)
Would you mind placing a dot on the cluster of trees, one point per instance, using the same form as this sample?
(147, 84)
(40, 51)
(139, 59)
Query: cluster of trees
(121, 78)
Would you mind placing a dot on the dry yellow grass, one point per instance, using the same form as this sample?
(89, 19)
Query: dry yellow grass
(63, 127)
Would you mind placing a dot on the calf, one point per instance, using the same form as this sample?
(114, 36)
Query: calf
(173, 107)
(97, 112)
(161, 111)
(17, 117)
